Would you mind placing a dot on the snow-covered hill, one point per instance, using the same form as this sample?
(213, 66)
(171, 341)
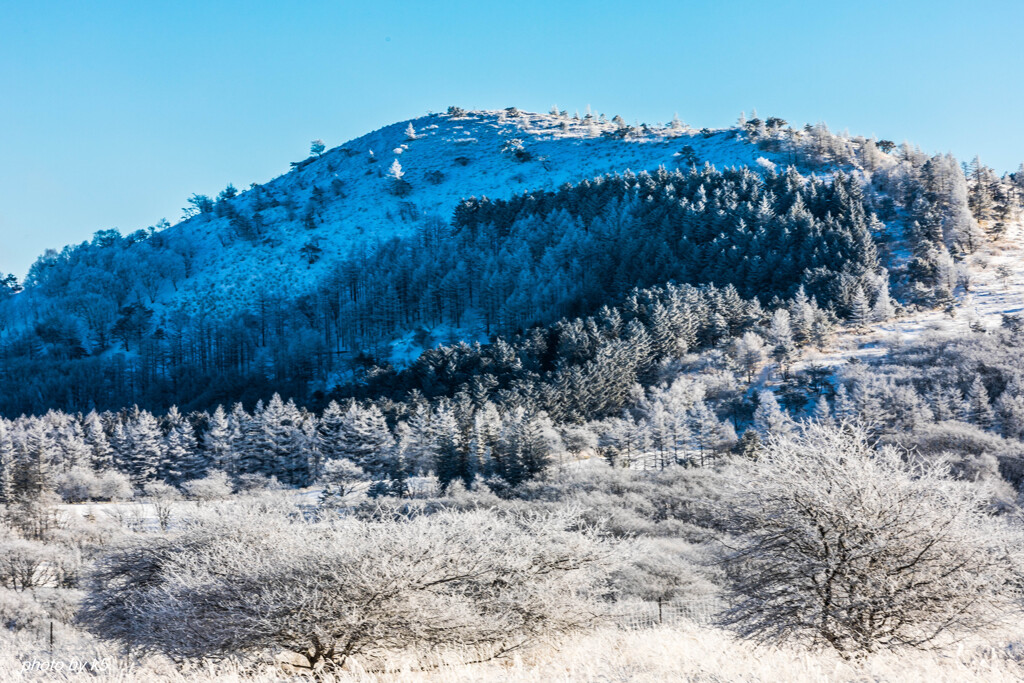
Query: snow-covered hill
(445, 159)
(300, 284)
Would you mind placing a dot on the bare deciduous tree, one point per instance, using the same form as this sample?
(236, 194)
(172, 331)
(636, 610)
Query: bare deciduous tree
(347, 588)
(856, 548)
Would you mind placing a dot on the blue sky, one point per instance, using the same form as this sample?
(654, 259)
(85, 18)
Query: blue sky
(113, 113)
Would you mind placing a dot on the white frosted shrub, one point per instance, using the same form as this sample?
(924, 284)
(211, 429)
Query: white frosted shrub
(214, 486)
(113, 485)
(27, 564)
(19, 610)
(77, 484)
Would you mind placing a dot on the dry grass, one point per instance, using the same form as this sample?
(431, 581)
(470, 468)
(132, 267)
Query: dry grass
(670, 654)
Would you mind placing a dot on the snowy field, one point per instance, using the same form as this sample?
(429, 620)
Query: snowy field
(684, 653)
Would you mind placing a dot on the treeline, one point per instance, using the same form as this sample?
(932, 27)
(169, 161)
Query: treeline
(586, 368)
(497, 413)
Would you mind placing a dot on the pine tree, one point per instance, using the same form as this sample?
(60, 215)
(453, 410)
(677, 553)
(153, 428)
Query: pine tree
(769, 418)
(1010, 407)
(749, 353)
(69, 438)
(822, 413)
(96, 439)
(34, 469)
(332, 446)
(310, 427)
(882, 309)
(978, 408)
(801, 316)
(279, 442)
(7, 464)
(419, 434)
(780, 335)
(218, 443)
(246, 435)
(182, 460)
(362, 436)
(395, 171)
(822, 330)
(484, 438)
(451, 452)
(120, 447)
(707, 431)
(750, 446)
(143, 447)
(398, 475)
(860, 309)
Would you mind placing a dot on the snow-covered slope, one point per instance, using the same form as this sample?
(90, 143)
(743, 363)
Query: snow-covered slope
(447, 158)
(995, 290)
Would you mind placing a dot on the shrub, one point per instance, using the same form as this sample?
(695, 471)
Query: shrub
(77, 484)
(25, 564)
(19, 611)
(162, 497)
(660, 571)
(245, 483)
(214, 486)
(113, 485)
(340, 478)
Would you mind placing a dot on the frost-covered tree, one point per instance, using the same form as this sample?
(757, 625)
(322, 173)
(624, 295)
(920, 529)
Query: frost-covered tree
(882, 309)
(279, 442)
(822, 413)
(780, 337)
(749, 353)
(769, 418)
(340, 478)
(218, 443)
(978, 407)
(361, 435)
(7, 464)
(453, 455)
(34, 465)
(860, 308)
(96, 438)
(858, 549)
(708, 434)
(346, 589)
(331, 436)
(1010, 408)
(181, 459)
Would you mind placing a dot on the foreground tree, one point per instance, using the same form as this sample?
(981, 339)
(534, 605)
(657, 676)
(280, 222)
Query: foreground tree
(333, 590)
(851, 547)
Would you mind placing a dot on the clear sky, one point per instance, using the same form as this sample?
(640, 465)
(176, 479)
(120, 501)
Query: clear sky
(113, 113)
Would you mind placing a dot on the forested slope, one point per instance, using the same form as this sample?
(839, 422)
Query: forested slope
(369, 253)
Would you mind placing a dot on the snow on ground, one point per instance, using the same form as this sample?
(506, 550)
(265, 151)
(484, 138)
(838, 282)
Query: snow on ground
(993, 293)
(142, 514)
